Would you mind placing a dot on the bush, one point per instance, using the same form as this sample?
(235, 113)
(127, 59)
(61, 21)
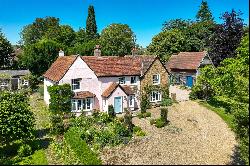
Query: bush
(103, 118)
(80, 148)
(152, 121)
(144, 115)
(128, 120)
(164, 114)
(144, 103)
(136, 129)
(159, 123)
(111, 111)
(140, 133)
(166, 102)
(38, 158)
(24, 150)
(147, 114)
(57, 124)
(16, 119)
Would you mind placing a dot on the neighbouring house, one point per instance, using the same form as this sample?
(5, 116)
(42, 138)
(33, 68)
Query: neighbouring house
(185, 67)
(13, 79)
(99, 81)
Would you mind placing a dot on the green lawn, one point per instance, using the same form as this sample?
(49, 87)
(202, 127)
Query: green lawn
(228, 118)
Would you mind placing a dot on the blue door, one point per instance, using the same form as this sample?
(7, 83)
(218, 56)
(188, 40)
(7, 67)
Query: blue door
(189, 81)
(118, 104)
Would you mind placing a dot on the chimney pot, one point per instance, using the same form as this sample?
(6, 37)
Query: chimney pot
(97, 51)
(61, 53)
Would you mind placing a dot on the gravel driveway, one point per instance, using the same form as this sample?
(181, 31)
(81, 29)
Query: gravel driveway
(195, 136)
(181, 94)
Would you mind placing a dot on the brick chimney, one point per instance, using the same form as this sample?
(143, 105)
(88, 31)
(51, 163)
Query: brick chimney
(61, 53)
(134, 51)
(97, 51)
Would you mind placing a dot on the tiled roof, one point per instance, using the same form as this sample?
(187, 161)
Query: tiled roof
(58, 69)
(102, 66)
(185, 60)
(118, 66)
(83, 95)
(113, 86)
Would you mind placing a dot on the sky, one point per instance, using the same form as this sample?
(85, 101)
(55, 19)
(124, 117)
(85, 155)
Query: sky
(145, 17)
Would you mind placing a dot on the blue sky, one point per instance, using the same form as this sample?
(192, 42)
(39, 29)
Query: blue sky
(145, 17)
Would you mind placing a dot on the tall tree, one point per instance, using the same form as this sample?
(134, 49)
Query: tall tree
(226, 38)
(32, 33)
(91, 27)
(5, 51)
(117, 39)
(204, 13)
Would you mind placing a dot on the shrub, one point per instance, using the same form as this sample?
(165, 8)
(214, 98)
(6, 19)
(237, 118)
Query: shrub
(103, 118)
(159, 123)
(111, 111)
(88, 135)
(120, 119)
(16, 119)
(57, 124)
(152, 121)
(140, 133)
(147, 114)
(140, 115)
(166, 102)
(24, 150)
(136, 128)
(144, 103)
(144, 115)
(38, 158)
(128, 120)
(120, 129)
(80, 148)
(164, 114)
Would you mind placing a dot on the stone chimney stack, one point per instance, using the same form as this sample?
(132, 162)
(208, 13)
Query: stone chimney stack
(61, 53)
(97, 51)
(134, 51)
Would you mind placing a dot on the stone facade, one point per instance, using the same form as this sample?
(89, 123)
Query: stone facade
(156, 68)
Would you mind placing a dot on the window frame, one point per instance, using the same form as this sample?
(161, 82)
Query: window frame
(158, 81)
(120, 82)
(155, 96)
(131, 102)
(131, 78)
(73, 84)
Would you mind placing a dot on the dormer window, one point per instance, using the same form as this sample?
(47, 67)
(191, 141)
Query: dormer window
(156, 79)
(121, 80)
(75, 84)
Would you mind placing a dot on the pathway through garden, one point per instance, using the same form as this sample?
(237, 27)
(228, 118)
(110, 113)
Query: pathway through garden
(195, 135)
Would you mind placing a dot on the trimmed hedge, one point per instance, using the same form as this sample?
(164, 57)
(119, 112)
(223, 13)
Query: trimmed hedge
(80, 148)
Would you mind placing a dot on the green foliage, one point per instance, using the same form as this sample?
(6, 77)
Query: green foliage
(38, 158)
(138, 131)
(86, 48)
(144, 103)
(117, 39)
(164, 114)
(166, 102)
(91, 27)
(144, 115)
(128, 120)
(152, 121)
(204, 14)
(24, 150)
(159, 123)
(60, 98)
(57, 126)
(80, 148)
(5, 51)
(38, 57)
(16, 119)
(111, 111)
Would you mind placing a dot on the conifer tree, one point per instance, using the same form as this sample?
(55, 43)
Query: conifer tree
(204, 13)
(91, 27)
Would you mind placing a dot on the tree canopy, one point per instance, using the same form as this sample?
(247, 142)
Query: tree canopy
(5, 52)
(91, 27)
(204, 13)
(117, 39)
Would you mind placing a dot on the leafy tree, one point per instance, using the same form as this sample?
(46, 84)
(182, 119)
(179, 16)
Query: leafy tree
(81, 36)
(38, 57)
(60, 98)
(91, 27)
(5, 51)
(204, 13)
(166, 43)
(86, 48)
(16, 119)
(226, 38)
(117, 39)
(176, 24)
(32, 33)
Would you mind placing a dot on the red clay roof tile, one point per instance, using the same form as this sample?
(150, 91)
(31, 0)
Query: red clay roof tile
(83, 95)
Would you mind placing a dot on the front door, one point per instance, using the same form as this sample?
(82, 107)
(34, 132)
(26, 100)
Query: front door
(189, 81)
(118, 104)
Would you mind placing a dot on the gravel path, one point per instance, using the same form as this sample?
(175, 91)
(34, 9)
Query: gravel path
(195, 136)
(181, 94)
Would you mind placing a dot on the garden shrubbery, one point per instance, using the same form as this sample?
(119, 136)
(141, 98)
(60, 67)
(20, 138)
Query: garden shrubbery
(163, 120)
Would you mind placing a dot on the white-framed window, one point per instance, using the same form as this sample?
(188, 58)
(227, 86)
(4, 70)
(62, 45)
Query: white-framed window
(75, 84)
(81, 104)
(25, 82)
(133, 80)
(121, 80)
(4, 84)
(155, 96)
(156, 79)
(131, 101)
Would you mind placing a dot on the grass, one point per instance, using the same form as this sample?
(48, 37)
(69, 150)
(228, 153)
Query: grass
(228, 118)
(38, 158)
